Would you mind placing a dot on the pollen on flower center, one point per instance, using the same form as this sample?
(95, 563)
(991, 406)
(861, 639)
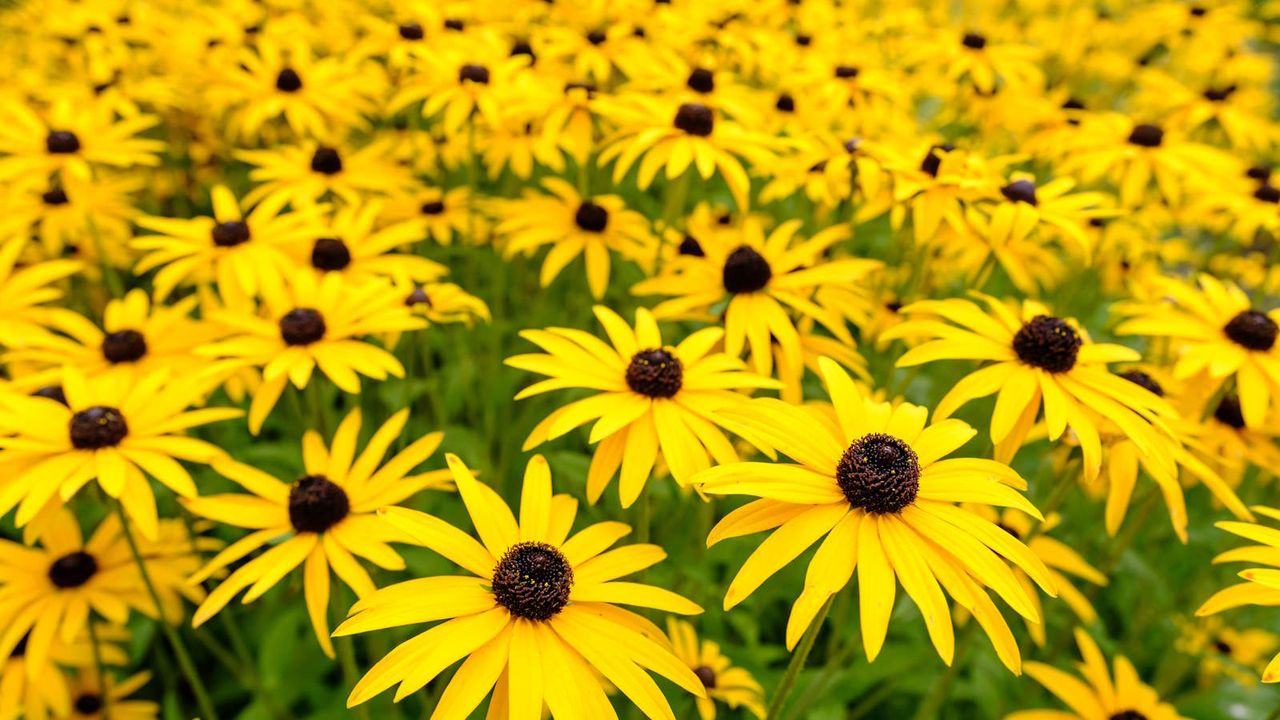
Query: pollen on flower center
(1137, 377)
(706, 675)
(1148, 136)
(695, 119)
(73, 570)
(62, 142)
(655, 372)
(1253, 330)
(1229, 413)
(88, 704)
(97, 427)
(532, 581)
(326, 161)
(124, 346)
(879, 473)
(302, 326)
(1048, 343)
(1020, 191)
(316, 504)
(330, 254)
(288, 81)
(230, 233)
(591, 217)
(746, 270)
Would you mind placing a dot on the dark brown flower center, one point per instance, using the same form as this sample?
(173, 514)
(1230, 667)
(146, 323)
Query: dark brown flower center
(591, 217)
(230, 233)
(1218, 94)
(97, 427)
(933, 159)
(302, 326)
(597, 37)
(746, 270)
(532, 581)
(695, 119)
(326, 161)
(706, 675)
(1148, 136)
(1128, 715)
(1253, 330)
(1229, 413)
(1023, 191)
(73, 570)
(1048, 343)
(1221, 646)
(474, 73)
(62, 142)
(1267, 194)
(434, 207)
(879, 473)
(288, 81)
(454, 24)
(411, 31)
(701, 80)
(124, 346)
(656, 372)
(88, 704)
(973, 41)
(690, 246)
(330, 254)
(316, 504)
(54, 196)
(847, 72)
(52, 392)
(1261, 173)
(1141, 379)
(785, 103)
(418, 297)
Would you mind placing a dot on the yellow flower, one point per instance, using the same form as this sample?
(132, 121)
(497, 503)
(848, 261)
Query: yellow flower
(731, 685)
(540, 617)
(302, 175)
(651, 398)
(99, 696)
(115, 431)
(1102, 693)
(322, 521)
(241, 252)
(311, 323)
(72, 213)
(761, 276)
(1037, 359)
(1262, 584)
(43, 690)
(357, 246)
(573, 226)
(28, 295)
(873, 480)
(71, 138)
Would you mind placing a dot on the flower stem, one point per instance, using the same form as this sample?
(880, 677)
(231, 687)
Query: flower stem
(179, 649)
(347, 654)
(798, 659)
(101, 669)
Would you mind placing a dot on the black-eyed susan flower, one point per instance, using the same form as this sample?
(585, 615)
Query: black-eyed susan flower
(1225, 651)
(312, 323)
(49, 590)
(302, 175)
(96, 696)
(1261, 584)
(45, 691)
(359, 247)
(28, 295)
(572, 225)
(539, 618)
(321, 522)
(463, 84)
(651, 398)
(72, 138)
(765, 278)
(444, 215)
(1037, 359)
(73, 212)
(875, 482)
(241, 251)
(136, 339)
(1102, 694)
(108, 429)
(1219, 335)
(733, 686)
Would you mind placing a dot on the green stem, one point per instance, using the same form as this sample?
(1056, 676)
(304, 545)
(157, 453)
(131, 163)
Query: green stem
(179, 649)
(347, 654)
(936, 700)
(798, 659)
